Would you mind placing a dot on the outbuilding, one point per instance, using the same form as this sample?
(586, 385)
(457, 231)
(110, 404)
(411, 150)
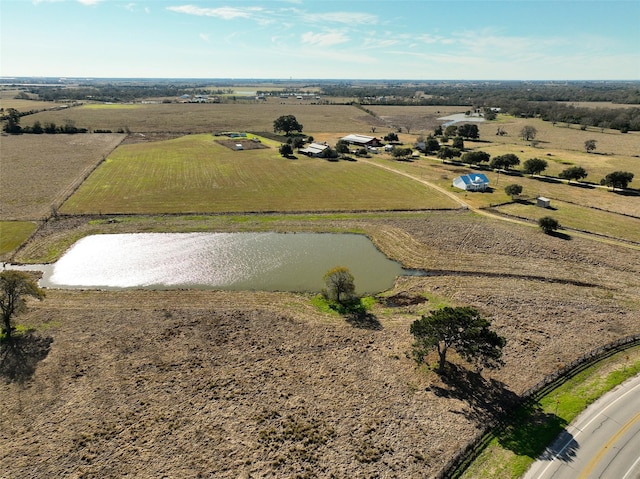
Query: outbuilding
(362, 140)
(543, 202)
(314, 149)
(472, 182)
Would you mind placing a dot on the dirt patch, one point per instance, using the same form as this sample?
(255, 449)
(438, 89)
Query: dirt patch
(232, 144)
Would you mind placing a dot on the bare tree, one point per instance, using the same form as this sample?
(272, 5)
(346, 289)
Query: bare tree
(528, 132)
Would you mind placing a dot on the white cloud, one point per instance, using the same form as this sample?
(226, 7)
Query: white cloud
(226, 13)
(324, 39)
(204, 36)
(89, 2)
(350, 18)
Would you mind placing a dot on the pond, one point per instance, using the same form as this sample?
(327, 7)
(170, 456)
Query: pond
(228, 261)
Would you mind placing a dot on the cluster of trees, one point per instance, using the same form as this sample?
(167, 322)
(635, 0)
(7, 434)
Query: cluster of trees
(12, 126)
(485, 94)
(623, 119)
(113, 92)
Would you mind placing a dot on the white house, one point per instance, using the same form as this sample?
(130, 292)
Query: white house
(314, 149)
(472, 182)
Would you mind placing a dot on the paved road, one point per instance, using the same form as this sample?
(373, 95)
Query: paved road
(603, 442)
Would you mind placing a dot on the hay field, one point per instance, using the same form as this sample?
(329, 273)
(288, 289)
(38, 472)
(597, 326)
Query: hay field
(195, 174)
(38, 172)
(201, 118)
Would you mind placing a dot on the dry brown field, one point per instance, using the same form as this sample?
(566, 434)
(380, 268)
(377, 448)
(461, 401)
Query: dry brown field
(420, 120)
(8, 100)
(41, 171)
(203, 118)
(598, 104)
(232, 384)
(560, 138)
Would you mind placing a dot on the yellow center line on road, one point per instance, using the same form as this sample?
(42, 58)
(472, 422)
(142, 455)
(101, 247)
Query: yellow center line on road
(604, 449)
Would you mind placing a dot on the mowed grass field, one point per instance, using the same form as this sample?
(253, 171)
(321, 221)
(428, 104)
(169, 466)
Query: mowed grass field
(194, 174)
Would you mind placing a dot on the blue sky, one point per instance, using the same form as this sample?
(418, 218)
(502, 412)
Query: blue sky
(303, 39)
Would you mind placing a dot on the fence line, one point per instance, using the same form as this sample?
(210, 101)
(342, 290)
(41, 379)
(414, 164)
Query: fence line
(459, 462)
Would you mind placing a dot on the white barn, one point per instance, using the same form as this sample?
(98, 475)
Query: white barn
(472, 182)
(314, 149)
(362, 140)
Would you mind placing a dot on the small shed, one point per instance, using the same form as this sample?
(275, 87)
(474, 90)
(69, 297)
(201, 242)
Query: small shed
(239, 146)
(472, 182)
(543, 202)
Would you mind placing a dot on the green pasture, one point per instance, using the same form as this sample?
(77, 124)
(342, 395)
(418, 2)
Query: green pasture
(13, 234)
(194, 174)
(581, 218)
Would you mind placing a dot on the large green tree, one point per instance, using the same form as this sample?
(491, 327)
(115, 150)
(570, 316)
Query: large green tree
(504, 161)
(12, 125)
(401, 153)
(447, 153)
(534, 166)
(513, 190)
(15, 287)
(617, 179)
(431, 145)
(548, 224)
(475, 157)
(461, 329)
(575, 173)
(285, 150)
(286, 124)
(469, 131)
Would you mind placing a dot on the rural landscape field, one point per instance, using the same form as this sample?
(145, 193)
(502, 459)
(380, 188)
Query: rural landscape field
(246, 384)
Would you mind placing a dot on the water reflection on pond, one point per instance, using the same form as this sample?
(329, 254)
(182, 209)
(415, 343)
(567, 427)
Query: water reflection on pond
(232, 261)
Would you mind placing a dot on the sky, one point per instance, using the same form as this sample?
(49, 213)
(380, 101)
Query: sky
(322, 39)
